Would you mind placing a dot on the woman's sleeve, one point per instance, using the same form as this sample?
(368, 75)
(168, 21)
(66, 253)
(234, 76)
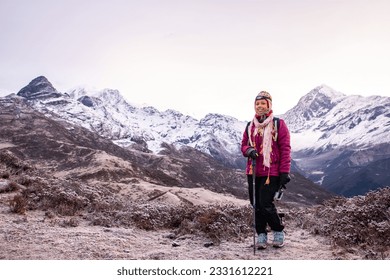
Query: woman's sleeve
(244, 143)
(284, 148)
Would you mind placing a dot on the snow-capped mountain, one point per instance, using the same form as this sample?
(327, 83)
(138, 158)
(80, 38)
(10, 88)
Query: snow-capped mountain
(110, 115)
(336, 137)
(326, 118)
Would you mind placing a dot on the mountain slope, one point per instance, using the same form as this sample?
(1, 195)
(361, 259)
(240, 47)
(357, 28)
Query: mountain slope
(73, 152)
(111, 116)
(335, 137)
(328, 118)
(331, 133)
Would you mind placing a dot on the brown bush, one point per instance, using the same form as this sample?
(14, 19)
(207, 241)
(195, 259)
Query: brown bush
(227, 222)
(5, 175)
(18, 204)
(13, 163)
(361, 221)
(218, 222)
(9, 187)
(25, 180)
(72, 222)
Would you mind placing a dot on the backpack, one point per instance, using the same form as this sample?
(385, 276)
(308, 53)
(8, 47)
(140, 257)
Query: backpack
(276, 126)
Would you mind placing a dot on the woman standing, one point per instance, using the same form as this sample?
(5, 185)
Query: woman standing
(267, 141)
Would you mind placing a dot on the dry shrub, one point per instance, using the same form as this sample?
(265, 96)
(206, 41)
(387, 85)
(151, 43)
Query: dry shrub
(101, 220)
(72, 222)
(13, 163)
(148, 216)
(64, 203)
(4, 175)
(12, 186)
(18, 204)
(67, 208)
(362, 221)
(157, 216)
(61, 197)
(9, 187)
(25, 180)
(217, 222)
(9, 159)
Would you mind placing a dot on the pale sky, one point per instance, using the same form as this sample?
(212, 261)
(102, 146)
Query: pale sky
(198, 56)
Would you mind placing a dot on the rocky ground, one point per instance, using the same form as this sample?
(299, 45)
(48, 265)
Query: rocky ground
(39, 235)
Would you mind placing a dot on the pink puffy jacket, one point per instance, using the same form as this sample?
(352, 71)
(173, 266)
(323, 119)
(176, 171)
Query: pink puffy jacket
(280, 155)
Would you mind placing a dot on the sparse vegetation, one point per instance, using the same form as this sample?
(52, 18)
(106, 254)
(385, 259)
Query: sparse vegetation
(362, 222)
(13, 163)
(18, 204)
(8, 187)
(25, 180)
(72, 222)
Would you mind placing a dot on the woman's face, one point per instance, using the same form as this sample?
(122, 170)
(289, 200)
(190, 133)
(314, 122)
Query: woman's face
(261, 107)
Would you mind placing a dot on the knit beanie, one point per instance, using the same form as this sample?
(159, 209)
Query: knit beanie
(266, 96)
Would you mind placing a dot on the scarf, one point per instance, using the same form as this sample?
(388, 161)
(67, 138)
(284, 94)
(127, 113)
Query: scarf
(266, 147)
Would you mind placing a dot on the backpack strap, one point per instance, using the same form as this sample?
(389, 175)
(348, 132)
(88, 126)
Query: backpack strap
(247, 128)
(276, 127)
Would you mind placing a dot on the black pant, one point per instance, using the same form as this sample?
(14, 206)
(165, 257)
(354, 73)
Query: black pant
(266, 212)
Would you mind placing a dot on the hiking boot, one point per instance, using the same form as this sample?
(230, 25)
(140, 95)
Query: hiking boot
(278, 239)
(262, 241)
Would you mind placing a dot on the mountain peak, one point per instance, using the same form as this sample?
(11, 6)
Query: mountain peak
(327, 91)
(39, 87)
(322, 92)
(319, 101)
(110, 95)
